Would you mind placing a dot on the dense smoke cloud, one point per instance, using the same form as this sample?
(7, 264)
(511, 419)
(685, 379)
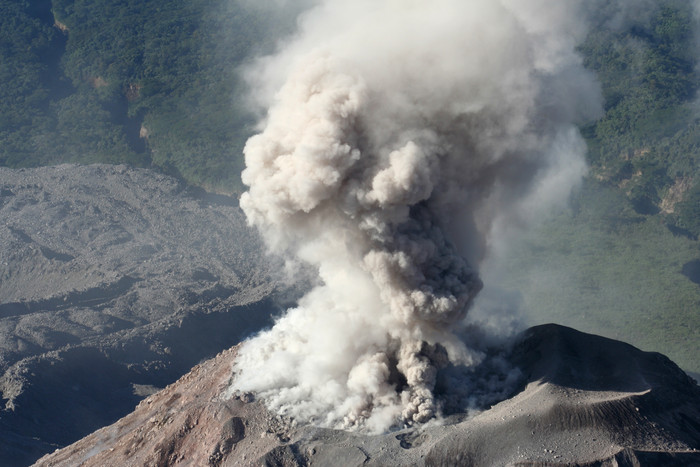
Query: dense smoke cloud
(403, 141)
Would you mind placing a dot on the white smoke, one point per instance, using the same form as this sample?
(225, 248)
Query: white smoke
(404, 140)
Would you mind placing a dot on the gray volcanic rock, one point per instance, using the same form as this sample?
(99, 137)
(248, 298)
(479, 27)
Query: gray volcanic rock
(113, 282)
(585, 401)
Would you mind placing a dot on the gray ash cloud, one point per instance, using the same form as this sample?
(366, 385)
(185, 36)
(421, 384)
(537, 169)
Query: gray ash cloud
(403, 142)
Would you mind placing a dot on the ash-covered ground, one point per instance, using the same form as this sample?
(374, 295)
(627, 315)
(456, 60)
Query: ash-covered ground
(113, 283)
(116, 281)
(584, 401)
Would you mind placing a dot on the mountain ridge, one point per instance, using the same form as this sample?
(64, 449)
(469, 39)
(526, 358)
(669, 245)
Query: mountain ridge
(551, 420)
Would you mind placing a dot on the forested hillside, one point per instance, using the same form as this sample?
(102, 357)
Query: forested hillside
(624, 260)
(155, 84)
(140, 82)
(647, 144)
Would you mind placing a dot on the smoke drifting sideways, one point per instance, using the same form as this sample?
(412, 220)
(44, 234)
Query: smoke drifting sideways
(403, 141)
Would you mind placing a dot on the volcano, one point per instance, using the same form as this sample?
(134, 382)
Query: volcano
(584, 400)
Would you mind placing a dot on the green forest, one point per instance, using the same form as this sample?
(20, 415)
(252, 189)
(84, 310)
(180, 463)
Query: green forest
(155, 84)
(623, 260)
(146, 83)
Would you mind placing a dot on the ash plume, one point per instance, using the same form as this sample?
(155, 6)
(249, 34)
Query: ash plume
(402, 142)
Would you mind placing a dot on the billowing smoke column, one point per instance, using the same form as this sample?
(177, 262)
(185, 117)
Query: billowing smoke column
(401, 139)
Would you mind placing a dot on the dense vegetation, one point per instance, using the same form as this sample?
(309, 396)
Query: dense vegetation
(648, 142)
(616, 263)
(154, 83)
(141, 82)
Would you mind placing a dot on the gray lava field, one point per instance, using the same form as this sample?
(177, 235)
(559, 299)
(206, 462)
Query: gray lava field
(114, 282)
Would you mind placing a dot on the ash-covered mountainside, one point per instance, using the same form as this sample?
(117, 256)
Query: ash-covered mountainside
(584, 401)
(113, 282)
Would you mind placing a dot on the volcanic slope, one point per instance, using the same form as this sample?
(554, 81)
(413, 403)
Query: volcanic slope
(114, 282)
(584, 401)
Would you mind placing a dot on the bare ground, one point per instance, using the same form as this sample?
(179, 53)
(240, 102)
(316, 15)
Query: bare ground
(114, 282)
(585, 401)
